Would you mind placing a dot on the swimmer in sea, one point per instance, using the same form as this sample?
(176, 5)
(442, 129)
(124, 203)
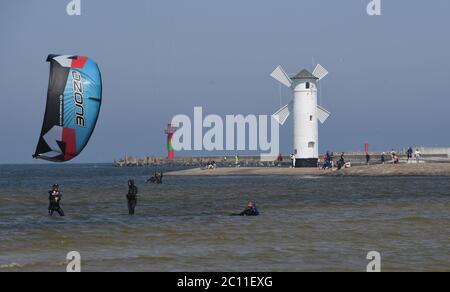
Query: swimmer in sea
(250, 210)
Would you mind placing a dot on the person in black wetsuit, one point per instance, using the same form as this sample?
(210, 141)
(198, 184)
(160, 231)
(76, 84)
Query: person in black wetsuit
(251, 210)
(367, 158)
(132, 196)
(341, 162)
(157, 178)
(55, 196)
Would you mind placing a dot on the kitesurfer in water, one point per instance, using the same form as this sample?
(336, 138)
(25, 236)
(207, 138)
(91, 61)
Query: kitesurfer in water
(157, 178)
(132, 196)
(55, 196)
(251, 210)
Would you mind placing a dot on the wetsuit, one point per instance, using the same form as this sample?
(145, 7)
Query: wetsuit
(250, 211)
(55, 200)
(341, 162)
(409, 153)
(156, 179)
(159, 178)
(132, 198)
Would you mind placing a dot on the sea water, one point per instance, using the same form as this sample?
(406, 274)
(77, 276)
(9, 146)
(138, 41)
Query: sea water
(307, 223)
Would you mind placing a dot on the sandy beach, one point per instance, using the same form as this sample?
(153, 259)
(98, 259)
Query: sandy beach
(428, 169)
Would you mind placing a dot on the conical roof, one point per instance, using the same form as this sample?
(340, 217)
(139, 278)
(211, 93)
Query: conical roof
(304, 74)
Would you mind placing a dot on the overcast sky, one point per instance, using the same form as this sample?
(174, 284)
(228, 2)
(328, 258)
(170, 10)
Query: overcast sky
(388, 82)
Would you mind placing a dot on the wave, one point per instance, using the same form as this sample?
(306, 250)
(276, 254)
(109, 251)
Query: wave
(39, 266)
(312, 177)
(11, 266)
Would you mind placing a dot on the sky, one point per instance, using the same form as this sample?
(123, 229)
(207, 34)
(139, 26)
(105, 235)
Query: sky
(388, 83)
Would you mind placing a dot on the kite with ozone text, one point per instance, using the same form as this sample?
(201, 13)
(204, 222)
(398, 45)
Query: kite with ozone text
(73, 105)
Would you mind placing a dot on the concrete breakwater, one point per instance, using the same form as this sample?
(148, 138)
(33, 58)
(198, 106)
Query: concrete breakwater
(429, 155)
(223, 161)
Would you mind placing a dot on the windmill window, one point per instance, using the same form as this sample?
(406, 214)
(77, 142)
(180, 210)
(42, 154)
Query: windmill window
(311, 118)
(308, 85)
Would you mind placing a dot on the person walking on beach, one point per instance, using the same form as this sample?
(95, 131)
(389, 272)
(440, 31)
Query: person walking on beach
(327, 164)
(418, 155)
(132, 196)
(383, 158)
(409, 154)
(341, 163)
(367, 158)
(55, 196)
(326, 157)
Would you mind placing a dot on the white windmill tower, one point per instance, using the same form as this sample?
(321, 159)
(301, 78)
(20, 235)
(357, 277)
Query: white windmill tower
(306, 113)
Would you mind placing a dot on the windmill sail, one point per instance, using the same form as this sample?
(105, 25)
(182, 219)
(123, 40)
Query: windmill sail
(283, 114)
(322, 114)
(320, 72)
(280, 75)
(73, 104)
